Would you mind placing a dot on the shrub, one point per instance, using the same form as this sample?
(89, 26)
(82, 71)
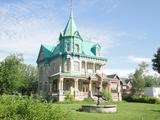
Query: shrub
(106, 94)
(19, 108)
(143, 99)
(88, 100)
(69, 97)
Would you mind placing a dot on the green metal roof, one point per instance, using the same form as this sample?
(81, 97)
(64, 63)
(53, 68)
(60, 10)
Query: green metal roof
(87, 47)
(47, 50)
(50, 51)
(70, 28)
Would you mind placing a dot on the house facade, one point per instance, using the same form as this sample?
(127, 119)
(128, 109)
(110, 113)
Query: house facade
(74, 64)
(126, 86)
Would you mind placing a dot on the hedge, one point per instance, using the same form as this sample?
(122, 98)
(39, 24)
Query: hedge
(143, 99)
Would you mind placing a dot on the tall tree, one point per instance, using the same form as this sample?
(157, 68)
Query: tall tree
(30, 78)
(138, 82)
(10, 73)
(15, 76)
(156, 61)
(151, 81)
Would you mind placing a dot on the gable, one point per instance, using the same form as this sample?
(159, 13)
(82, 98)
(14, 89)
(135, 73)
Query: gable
(45, 52)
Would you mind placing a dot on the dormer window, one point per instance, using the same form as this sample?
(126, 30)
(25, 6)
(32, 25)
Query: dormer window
(76, 48)
(97, 51)
(68, 47)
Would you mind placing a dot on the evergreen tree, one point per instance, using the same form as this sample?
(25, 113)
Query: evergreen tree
(156, 61)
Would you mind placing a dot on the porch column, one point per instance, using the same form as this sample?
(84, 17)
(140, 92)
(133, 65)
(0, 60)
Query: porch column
(90, 88)
(109, 86)
(94, 67)
(50, 86)
(60, 88)
(86, 72)
(119, 92)
(101, 81)
(75, 87)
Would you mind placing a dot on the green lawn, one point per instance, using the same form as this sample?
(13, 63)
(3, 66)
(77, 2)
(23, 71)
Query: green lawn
(24, 108)
(126, 111)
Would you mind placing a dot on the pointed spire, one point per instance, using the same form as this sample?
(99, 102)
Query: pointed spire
(71, 8)
(70, 28)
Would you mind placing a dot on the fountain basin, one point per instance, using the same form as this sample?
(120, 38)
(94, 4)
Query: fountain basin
(99, 108)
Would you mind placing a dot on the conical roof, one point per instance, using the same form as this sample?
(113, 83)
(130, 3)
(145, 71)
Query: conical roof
(70, 28)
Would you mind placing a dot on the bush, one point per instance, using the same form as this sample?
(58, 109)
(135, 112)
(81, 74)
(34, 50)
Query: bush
(106, 94)
(143, 99)
(69, 97)
(88, 100)
(19, 108)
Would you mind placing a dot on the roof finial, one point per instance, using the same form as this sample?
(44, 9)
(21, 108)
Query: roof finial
(71, 8)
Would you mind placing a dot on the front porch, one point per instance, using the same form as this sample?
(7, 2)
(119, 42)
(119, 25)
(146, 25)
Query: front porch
(80, 87)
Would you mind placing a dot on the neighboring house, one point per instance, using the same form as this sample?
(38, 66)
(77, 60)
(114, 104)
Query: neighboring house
(115, 86)
(126, 86)
(74, 64)
(152, 91)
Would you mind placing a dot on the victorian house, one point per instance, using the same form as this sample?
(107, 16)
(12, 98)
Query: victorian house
(74, 64)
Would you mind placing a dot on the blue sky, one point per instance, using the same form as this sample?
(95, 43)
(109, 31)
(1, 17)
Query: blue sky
(128, 30)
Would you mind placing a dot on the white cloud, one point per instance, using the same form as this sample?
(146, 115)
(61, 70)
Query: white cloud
(119, 72)
(138, 60)
(103, 37)
(20, 33)
(124, 73)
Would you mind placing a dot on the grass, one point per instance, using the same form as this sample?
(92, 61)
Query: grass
(126, 111)
(19, 108)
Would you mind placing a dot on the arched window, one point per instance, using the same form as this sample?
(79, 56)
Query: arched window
(76, 48)
(68, 64)
(76, 66)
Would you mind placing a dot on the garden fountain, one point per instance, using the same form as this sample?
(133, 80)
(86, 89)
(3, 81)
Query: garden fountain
(98, 107)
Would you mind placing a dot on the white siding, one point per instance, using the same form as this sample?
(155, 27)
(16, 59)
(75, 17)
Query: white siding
(152, 91)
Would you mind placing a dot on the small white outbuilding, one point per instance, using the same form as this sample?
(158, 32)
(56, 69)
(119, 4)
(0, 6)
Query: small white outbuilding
(152, 91)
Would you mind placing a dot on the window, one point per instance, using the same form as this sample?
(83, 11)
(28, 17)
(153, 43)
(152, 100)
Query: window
(41, 56)
(114, 87)
(90, 66)
(97, 51)
(80, 85)
(68, 64)
(85, 87)
(76, 48)
(68, 47)
(83, 65)
(55, 86)
(98, 67)
(76, 66)
(83, 68)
